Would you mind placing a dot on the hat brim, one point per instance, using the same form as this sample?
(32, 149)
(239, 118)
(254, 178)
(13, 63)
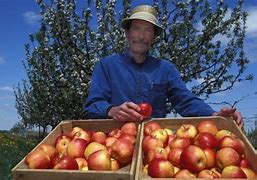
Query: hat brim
(125, 22)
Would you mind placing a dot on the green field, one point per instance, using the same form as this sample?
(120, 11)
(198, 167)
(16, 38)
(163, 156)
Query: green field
(12, 149)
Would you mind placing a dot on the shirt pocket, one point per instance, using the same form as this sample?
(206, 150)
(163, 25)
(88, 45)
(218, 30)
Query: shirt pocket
(158, 93)
(159, 87)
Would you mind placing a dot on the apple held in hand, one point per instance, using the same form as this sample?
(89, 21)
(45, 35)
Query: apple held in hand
(160, 168)
(193, 158)
(145, 109)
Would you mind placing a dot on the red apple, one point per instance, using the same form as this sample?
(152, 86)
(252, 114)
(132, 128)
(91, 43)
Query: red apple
(93, 147)
(122, 151)
(150, 142)
(129, 128)
(187, 130)
(129, 137)
(160, 168)
(82, 135)
(227, 157)
(150, 126)
(184, 173)
(250, 174)
(109, 141)
(206, 140)
(156, 152)
(115, 133)
(207, 126)
(99, 160)
(169, 131)
(67, 162)
(180, 142)
(61, 143)
(232, 172)
(174, 156)
(222, 133)
(38, 159)
(145, 109)
(244, 163)
(233, 142)
(82, 164)
(210, 157)
(193, 158)
(171, 138)
(48, 149)
(77, 147)
(206, 173)
(74, 131)
(99, 137)
(160, 134)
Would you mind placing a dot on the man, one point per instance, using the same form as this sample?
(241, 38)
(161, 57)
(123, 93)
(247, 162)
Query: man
(121, 81)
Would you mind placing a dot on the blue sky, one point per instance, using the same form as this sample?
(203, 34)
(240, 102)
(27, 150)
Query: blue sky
(19, 18)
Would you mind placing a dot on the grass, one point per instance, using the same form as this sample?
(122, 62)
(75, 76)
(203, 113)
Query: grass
(13, 149)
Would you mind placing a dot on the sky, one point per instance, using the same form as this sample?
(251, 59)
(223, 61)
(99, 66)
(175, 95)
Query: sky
(19, 18)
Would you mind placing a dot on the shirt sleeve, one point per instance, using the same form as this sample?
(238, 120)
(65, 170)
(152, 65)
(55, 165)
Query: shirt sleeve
(98, 99)
(183, 100)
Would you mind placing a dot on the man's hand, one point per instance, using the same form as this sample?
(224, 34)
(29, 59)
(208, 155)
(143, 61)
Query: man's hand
(232, 113)
(127, 111)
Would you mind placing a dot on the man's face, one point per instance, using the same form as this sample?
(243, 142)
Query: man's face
(140, 36)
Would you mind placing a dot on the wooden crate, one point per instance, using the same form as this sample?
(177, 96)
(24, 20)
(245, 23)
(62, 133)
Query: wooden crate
(21, 172)
(175, 123)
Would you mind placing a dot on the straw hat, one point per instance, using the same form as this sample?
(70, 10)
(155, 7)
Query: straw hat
(146, 13)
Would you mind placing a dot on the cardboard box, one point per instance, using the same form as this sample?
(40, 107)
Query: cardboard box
(21, 172)
(175, 123)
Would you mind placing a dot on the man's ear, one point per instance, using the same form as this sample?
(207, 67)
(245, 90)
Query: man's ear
(126, 33)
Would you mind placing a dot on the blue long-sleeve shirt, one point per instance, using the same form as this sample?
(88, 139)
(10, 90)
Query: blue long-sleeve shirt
(117, 79)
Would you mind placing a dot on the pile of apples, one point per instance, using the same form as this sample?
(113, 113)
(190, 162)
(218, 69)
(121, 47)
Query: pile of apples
(193, 151)
(85, 150)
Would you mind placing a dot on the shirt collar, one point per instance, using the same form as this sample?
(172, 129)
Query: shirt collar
(129, 58)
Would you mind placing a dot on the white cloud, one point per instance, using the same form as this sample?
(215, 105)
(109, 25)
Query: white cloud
(6, 88)
(251, 22)
(31, 17)
(2, 61)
